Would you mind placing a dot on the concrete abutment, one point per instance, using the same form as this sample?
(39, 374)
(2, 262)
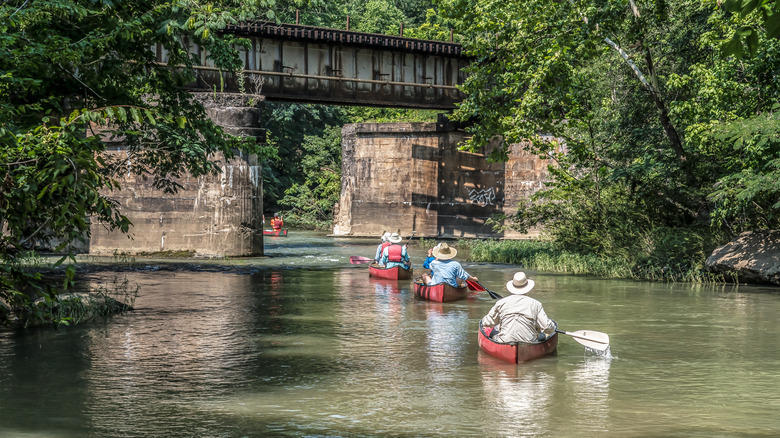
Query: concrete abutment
(406, 177)
(212, 216)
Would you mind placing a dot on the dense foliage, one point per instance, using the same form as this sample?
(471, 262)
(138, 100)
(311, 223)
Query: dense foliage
(310, 203)
(670, 144)
(74, 71)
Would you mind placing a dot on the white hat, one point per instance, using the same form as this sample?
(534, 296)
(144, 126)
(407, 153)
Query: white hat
(385, 237)
(395, 238)
(444, 251)
(520, 284)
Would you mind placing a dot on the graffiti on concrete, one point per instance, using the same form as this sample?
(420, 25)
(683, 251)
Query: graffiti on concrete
(483, 196)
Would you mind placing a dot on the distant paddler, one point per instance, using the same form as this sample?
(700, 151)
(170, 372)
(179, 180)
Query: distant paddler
(277, 222)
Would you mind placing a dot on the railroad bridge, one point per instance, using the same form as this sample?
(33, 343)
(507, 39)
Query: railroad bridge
(413, 171)
(290, 62)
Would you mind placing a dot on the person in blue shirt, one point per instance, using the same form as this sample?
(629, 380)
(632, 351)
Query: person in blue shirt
(395, 254)
(446, 270)
(430, 258)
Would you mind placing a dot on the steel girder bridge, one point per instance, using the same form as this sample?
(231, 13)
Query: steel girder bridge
(296, 63)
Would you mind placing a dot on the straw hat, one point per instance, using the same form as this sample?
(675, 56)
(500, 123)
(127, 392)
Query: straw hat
(385, 237)
(394, 238)
(520, 284)
(444, 252)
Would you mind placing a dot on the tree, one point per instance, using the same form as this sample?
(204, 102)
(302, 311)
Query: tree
(74, 71)
(288, 126)
(756, 14)
(311, 202)
(639, 97)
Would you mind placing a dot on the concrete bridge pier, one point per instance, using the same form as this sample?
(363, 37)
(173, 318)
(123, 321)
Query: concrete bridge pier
(212, 216)
(411, 177)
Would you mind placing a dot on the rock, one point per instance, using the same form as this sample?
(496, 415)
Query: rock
(754, 257)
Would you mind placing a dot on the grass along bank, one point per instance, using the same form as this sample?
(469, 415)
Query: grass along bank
(547, 256)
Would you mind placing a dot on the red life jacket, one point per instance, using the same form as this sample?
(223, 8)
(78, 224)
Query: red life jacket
(385, 245)
(276, 224)
(394, 253)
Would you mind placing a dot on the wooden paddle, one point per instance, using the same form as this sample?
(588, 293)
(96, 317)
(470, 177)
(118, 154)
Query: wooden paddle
(595, 340)
(355, 260)
(475, 285)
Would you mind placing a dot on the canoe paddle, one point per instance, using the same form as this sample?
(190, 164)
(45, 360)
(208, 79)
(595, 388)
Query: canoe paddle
(595, 340)
(410, 238)
(355, 260)
(475, 285)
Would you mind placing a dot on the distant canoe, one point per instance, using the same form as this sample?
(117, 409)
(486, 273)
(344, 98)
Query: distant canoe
(394, 273)
(277, 233)
(441, 293)
(517, 352)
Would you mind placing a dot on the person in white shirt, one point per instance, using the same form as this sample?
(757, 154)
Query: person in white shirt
(519, 318)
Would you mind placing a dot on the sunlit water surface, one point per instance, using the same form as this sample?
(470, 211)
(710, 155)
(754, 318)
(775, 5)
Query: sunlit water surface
(271, 348)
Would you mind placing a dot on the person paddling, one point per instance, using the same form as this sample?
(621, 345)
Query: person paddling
(394, 254)
(444, 269)
(519, 318)
(277, 222)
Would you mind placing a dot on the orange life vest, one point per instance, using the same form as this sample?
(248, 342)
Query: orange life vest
(276, 224)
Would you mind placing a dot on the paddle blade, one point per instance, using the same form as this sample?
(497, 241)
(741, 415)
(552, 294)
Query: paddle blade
(475, 286)
(589, 338)
(355, 260)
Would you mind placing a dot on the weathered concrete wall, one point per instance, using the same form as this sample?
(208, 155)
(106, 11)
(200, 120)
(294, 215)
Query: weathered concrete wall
(211, 216)
(408, 177)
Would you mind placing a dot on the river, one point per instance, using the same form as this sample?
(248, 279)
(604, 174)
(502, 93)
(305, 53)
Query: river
(302, 344)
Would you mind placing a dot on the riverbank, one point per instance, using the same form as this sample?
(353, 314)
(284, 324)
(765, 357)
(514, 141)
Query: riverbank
(546, 256)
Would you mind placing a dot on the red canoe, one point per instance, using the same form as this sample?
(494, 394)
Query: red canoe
(516, 353)
(441, 293)
(394, 273)
(277, 233)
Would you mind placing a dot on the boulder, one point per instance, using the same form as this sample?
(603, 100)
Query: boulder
(754, 257)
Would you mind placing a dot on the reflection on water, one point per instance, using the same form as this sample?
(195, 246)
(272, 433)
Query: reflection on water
(588, 386)
(267, 350)
(520, 401)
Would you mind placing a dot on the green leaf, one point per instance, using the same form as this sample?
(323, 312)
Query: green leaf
(733, 5)
(136, 114)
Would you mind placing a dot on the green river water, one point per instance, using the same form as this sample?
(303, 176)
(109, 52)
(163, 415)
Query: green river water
(303, 344)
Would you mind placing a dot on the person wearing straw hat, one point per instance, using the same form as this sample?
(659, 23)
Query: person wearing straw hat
(382, 247)
(394, 254)
(444, 269)
(518, 317)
